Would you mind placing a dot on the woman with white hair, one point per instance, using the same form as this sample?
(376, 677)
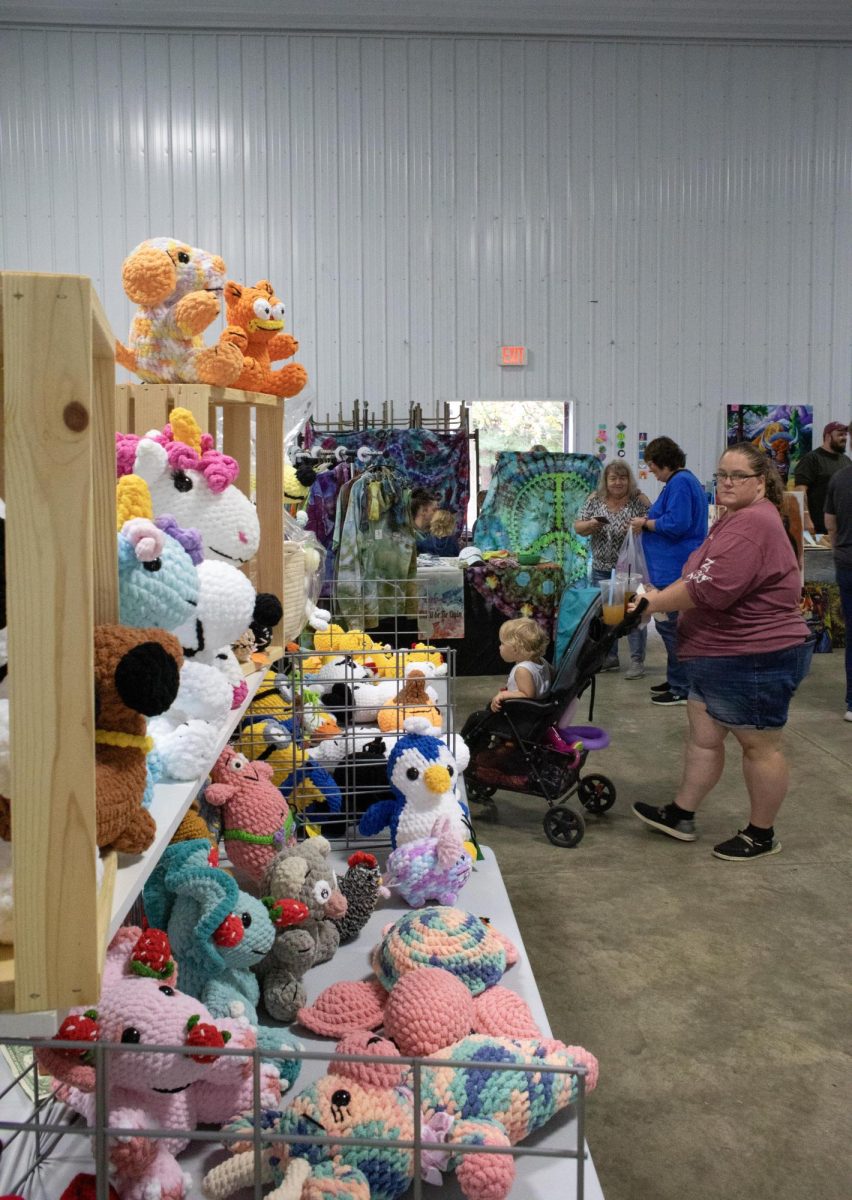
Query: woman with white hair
(605, 518)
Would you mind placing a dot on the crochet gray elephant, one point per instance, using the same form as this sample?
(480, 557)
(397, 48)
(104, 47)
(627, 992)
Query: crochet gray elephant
(300, 875)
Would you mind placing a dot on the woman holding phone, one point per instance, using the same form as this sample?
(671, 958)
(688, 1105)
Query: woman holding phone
(605, 518)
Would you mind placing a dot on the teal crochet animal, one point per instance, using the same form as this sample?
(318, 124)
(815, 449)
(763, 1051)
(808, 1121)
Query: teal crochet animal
(218, 934)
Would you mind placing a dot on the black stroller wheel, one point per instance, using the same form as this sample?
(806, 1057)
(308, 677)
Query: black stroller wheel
(479, 792)
(563, 826)
(597, 793)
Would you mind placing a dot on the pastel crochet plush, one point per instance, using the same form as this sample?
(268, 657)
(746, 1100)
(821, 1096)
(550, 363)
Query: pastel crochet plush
(137, 674)
(462, 945)
(193, 482)
(432, 868)
(219, 933)
(423, 776)
(157, 579)
(458, 1105)
(140, 1004)
(158, 585)
(256, 326)
(177, 289)
(256, 819)
(300, 874)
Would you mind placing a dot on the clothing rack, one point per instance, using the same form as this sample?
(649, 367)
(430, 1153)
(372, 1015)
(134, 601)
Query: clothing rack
(364, 417)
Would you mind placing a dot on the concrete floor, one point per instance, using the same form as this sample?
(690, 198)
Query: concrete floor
(716, 995)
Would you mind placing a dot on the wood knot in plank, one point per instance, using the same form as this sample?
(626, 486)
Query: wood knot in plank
(76, 416)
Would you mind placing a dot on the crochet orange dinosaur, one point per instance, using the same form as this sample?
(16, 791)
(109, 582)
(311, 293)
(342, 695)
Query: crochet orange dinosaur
(255, 319)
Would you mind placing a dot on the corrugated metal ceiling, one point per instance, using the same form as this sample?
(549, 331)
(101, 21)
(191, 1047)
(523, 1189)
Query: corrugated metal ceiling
(788, 20)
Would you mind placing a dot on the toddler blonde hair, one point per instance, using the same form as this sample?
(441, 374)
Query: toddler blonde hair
(525, 635)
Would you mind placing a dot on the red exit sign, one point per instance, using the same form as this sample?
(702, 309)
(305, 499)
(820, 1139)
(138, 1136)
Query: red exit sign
(513, 356)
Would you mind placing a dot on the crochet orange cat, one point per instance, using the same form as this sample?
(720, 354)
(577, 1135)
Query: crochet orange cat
(255, 318)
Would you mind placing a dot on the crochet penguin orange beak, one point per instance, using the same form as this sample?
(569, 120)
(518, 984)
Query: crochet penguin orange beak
(437, 779)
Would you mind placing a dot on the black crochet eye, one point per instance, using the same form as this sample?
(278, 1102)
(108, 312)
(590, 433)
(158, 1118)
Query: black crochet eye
(183, 257)
(412, 773)
(167, 991)
(182, 481)
(246, 920)
(341, 1099)
(449, 770)
(131, 1035)
(154, 565)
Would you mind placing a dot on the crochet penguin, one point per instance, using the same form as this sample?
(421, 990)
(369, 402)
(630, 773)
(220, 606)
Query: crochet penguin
(423, 777)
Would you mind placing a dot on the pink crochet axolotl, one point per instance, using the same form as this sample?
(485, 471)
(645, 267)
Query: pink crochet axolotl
(257, 819)
(139, 1005)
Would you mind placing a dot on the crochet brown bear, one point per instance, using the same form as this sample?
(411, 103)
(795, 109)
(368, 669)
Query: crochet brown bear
(136, 676)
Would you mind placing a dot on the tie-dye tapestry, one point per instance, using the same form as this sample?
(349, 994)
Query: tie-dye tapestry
(531, 505)
(439, 462)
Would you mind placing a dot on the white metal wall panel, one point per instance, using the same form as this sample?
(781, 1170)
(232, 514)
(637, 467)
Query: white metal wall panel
(666, 226)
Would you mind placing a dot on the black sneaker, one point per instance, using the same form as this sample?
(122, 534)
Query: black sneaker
(662, 820)
(668, 698)
(660, 687)
(741, 848)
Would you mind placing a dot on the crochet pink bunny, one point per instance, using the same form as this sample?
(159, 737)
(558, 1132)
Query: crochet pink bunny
(139, 1005)
(257, 819)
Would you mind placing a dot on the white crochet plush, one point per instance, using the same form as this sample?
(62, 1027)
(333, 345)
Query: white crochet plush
(432, 793)
(186, 749)
(342, 669)
(226, 520)
(225, 610)
(186, 736)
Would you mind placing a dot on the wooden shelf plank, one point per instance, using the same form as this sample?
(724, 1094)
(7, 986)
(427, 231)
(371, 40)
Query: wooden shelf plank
(171, 800)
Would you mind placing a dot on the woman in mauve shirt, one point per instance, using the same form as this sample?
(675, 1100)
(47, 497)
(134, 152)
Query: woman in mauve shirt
(745, 646)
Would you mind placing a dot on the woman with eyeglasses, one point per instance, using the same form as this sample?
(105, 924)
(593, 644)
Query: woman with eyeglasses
(745, 647)
(673, 527)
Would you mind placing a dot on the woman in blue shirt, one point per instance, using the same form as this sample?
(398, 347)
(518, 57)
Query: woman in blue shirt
(675, 525)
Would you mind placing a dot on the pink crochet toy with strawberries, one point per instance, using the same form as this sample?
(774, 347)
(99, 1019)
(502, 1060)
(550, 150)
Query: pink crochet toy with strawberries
(139, 1004)
(257, 821)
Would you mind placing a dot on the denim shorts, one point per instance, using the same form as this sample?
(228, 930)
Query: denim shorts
(749, 690)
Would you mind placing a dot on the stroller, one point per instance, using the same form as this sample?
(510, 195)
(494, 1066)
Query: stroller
(530, 745)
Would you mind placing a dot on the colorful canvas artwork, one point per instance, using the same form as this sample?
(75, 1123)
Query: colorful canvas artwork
(783, 431)
(440, 601)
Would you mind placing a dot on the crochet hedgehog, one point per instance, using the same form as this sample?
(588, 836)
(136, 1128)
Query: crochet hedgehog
(423, 778)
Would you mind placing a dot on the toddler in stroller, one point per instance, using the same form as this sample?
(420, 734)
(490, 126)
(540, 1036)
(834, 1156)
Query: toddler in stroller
(526, 743)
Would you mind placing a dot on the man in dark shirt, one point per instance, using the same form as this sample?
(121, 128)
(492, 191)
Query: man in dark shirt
(838, 520)
(815, 470)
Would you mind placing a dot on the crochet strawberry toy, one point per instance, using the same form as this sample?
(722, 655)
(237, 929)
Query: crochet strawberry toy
(153, 1091)
(81, 1187)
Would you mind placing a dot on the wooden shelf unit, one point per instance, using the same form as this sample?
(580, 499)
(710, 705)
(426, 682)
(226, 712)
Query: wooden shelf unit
(57, 398)
(59, 410)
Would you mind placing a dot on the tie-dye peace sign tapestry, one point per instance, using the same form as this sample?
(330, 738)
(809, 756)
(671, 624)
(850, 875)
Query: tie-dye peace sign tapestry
(531, 505)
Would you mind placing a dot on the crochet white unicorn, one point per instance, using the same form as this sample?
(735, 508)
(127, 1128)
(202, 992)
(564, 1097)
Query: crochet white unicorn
(190, 479)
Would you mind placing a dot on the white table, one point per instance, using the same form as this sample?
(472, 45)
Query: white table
(537, 1179)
